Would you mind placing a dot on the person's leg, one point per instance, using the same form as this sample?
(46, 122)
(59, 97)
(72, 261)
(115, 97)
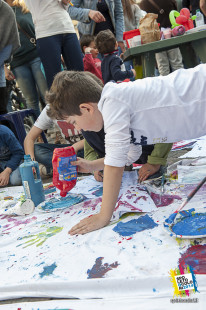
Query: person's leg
(39, 76)
(71, 52)
(3, 100)
(49, 49)
(175, 59)
(146, 151)
(15, 178)
(162, 63)
(26, 82)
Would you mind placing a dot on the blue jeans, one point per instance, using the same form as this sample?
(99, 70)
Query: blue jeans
(50, 50)
(30, 78)
(43, 153)
(15, 177)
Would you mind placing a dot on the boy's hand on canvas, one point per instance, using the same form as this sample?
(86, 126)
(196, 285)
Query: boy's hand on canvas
(93, 222)
(146, 170)
(98, 175)
(84, 165)
(4, 176)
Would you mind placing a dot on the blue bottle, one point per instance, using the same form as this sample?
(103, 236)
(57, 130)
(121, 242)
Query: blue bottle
(32, 184)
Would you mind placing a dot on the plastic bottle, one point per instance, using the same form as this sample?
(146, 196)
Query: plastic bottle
(64, 174)
(199, 21)
(32, 183)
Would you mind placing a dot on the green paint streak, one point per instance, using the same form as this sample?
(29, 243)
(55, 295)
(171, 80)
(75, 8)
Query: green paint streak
(42, 237)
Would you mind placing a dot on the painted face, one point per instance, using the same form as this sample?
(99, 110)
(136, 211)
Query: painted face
(87, 121)
(94, 50)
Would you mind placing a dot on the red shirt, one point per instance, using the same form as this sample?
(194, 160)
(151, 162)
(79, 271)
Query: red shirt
(92, 65)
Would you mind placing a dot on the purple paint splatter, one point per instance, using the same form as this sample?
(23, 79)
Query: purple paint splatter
(99, 270)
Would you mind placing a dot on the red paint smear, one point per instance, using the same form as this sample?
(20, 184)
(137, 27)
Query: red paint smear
(165, 200)
(195, 256)
(129, 238)
(120, 242)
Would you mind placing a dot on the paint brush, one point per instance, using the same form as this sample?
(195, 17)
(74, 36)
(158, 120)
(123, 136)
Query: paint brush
(171, 218)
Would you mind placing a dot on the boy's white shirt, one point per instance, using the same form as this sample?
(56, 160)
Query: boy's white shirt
(50, 17)
(161, 109)
(44, 122)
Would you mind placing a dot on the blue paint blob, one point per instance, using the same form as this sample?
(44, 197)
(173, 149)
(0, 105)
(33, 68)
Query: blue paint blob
(171, 218)
(54, 204)
(192, 224)
(98, 192)
(154, 290)
(48, 270)
(131, 227)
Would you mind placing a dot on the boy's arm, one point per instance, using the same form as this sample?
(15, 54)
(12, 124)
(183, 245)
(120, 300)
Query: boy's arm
(30, 140)
(15, 149)
(157, 158)
(78, 145)
(117, 73)
(111, 185)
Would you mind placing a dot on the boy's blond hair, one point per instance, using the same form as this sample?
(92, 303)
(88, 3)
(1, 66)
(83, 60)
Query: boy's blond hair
(70, 89)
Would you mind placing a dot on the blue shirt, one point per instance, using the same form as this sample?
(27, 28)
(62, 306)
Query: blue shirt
(112, 69)
(10, 148)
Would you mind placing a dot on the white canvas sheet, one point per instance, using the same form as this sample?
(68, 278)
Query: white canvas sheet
(129, 258)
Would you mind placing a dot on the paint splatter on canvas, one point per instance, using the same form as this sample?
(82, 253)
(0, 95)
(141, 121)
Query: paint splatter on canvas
(194, 256)
(99, 269)
(132, 227)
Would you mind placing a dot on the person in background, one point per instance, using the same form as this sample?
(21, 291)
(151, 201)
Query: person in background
(11, 155)
(203, 6)
(112, 65)
(90, 60)
(43, 152)
(95, 16)
(25, 66)
(170, 58)
(132, 14)
(193, 5)
(9, 43)
(56, 36)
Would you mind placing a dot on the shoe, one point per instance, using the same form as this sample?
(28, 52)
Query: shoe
(43, 171)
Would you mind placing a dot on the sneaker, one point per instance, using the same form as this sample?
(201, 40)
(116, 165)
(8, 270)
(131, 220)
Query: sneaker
(43, 171)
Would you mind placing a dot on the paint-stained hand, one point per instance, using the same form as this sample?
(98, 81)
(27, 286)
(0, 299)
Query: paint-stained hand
(84, 166)
(93, 222)
(146, 170)
(98, 175)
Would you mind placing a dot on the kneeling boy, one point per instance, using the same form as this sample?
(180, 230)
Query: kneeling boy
(163, 109)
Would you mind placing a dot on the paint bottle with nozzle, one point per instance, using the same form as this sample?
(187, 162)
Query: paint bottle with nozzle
(64, 174)
(31, 180)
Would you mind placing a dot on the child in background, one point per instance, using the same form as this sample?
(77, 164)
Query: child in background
(91, 62)
(11, 155)
(113, 68)
(134, 113)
